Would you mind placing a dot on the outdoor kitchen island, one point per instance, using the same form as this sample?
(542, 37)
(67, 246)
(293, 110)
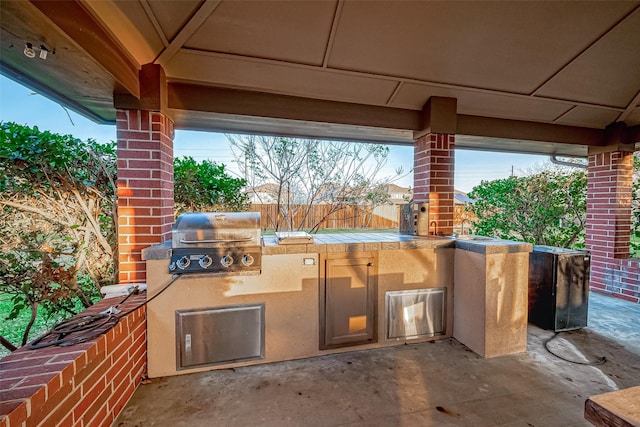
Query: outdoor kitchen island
(342, 292)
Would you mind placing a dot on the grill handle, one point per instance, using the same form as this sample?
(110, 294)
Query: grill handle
(193, 242)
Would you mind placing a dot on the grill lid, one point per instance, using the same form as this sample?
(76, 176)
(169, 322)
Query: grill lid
(216, 229)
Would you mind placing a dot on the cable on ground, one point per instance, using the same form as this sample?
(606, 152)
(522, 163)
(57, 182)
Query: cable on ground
(599, 361)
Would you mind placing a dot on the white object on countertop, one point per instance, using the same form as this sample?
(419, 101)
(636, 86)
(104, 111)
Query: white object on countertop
(293, 237)
(113, 291)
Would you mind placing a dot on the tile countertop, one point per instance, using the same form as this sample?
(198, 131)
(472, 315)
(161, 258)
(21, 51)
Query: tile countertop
(355, 242)
(359, 242)
(493, 246)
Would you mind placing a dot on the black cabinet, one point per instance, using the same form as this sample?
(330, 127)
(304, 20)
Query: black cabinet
(558, 288)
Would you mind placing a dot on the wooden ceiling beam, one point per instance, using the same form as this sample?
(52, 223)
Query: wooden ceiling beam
(332, 34)
(184, 96)
(439, 115)
(529, 131)
(201, 15)
(46, 90)
(632, 106)
(153, 92)
(634, 134)
(81, 27)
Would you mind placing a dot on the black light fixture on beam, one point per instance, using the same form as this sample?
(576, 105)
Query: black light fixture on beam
(44, 51)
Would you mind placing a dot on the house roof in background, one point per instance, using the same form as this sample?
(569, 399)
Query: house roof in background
(461, 198)
(393, 188)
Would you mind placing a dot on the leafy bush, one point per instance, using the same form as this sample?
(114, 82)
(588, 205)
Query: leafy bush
(635, 209)
(60, 186)
(58, 224)
(57, 196)
(547, 208)
(206, 186)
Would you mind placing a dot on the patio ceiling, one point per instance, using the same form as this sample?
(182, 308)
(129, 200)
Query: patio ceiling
(545, 77)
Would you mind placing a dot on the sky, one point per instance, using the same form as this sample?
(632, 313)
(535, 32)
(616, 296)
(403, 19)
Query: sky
(22, 105)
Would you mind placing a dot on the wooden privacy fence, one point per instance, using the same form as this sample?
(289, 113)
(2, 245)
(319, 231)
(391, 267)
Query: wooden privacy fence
(351, 216)
(386, 216)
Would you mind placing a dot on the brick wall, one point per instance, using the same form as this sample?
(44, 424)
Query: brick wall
(85, 384)
(609, 225)
(433, 176)
(145, 187)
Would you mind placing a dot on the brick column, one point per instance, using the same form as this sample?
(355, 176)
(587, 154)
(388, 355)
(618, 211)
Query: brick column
(433, 175)
(145, 187)
(609, 219)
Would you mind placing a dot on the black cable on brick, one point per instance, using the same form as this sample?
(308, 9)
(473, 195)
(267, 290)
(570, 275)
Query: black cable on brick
(85, 328)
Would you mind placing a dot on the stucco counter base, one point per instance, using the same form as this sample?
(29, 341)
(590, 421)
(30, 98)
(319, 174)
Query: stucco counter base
(289, 287)
(485, 283)
(491, 304)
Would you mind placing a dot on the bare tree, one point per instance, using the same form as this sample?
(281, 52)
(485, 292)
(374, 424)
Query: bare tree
(369, 198)
(306, 172)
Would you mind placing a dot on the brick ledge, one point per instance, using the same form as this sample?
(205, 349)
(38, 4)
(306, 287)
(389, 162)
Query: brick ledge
(83, 384)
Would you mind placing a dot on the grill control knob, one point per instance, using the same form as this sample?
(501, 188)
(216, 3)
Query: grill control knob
(183, 262)
(226, 261)
(205, 261)
(247, 260)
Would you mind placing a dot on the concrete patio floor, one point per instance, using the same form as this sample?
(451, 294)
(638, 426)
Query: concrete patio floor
(430, 384)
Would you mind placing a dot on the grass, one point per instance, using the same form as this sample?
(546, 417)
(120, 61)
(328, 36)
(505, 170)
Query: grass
(13, 329)
(634, 253)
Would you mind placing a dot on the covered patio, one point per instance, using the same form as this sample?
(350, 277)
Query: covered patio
(429, 384)
(560, 78)
(557, 78)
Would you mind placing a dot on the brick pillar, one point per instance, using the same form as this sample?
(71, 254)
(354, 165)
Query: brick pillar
(608, 212)
(433, 179)
(145, 187)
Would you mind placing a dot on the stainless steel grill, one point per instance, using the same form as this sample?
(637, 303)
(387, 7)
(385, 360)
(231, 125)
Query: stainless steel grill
(216, 242)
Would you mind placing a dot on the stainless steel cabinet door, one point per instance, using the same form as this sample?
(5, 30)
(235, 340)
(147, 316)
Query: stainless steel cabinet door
(416, 313)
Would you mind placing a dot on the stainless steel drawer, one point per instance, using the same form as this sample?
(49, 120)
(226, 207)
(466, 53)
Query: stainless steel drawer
(219, 335)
